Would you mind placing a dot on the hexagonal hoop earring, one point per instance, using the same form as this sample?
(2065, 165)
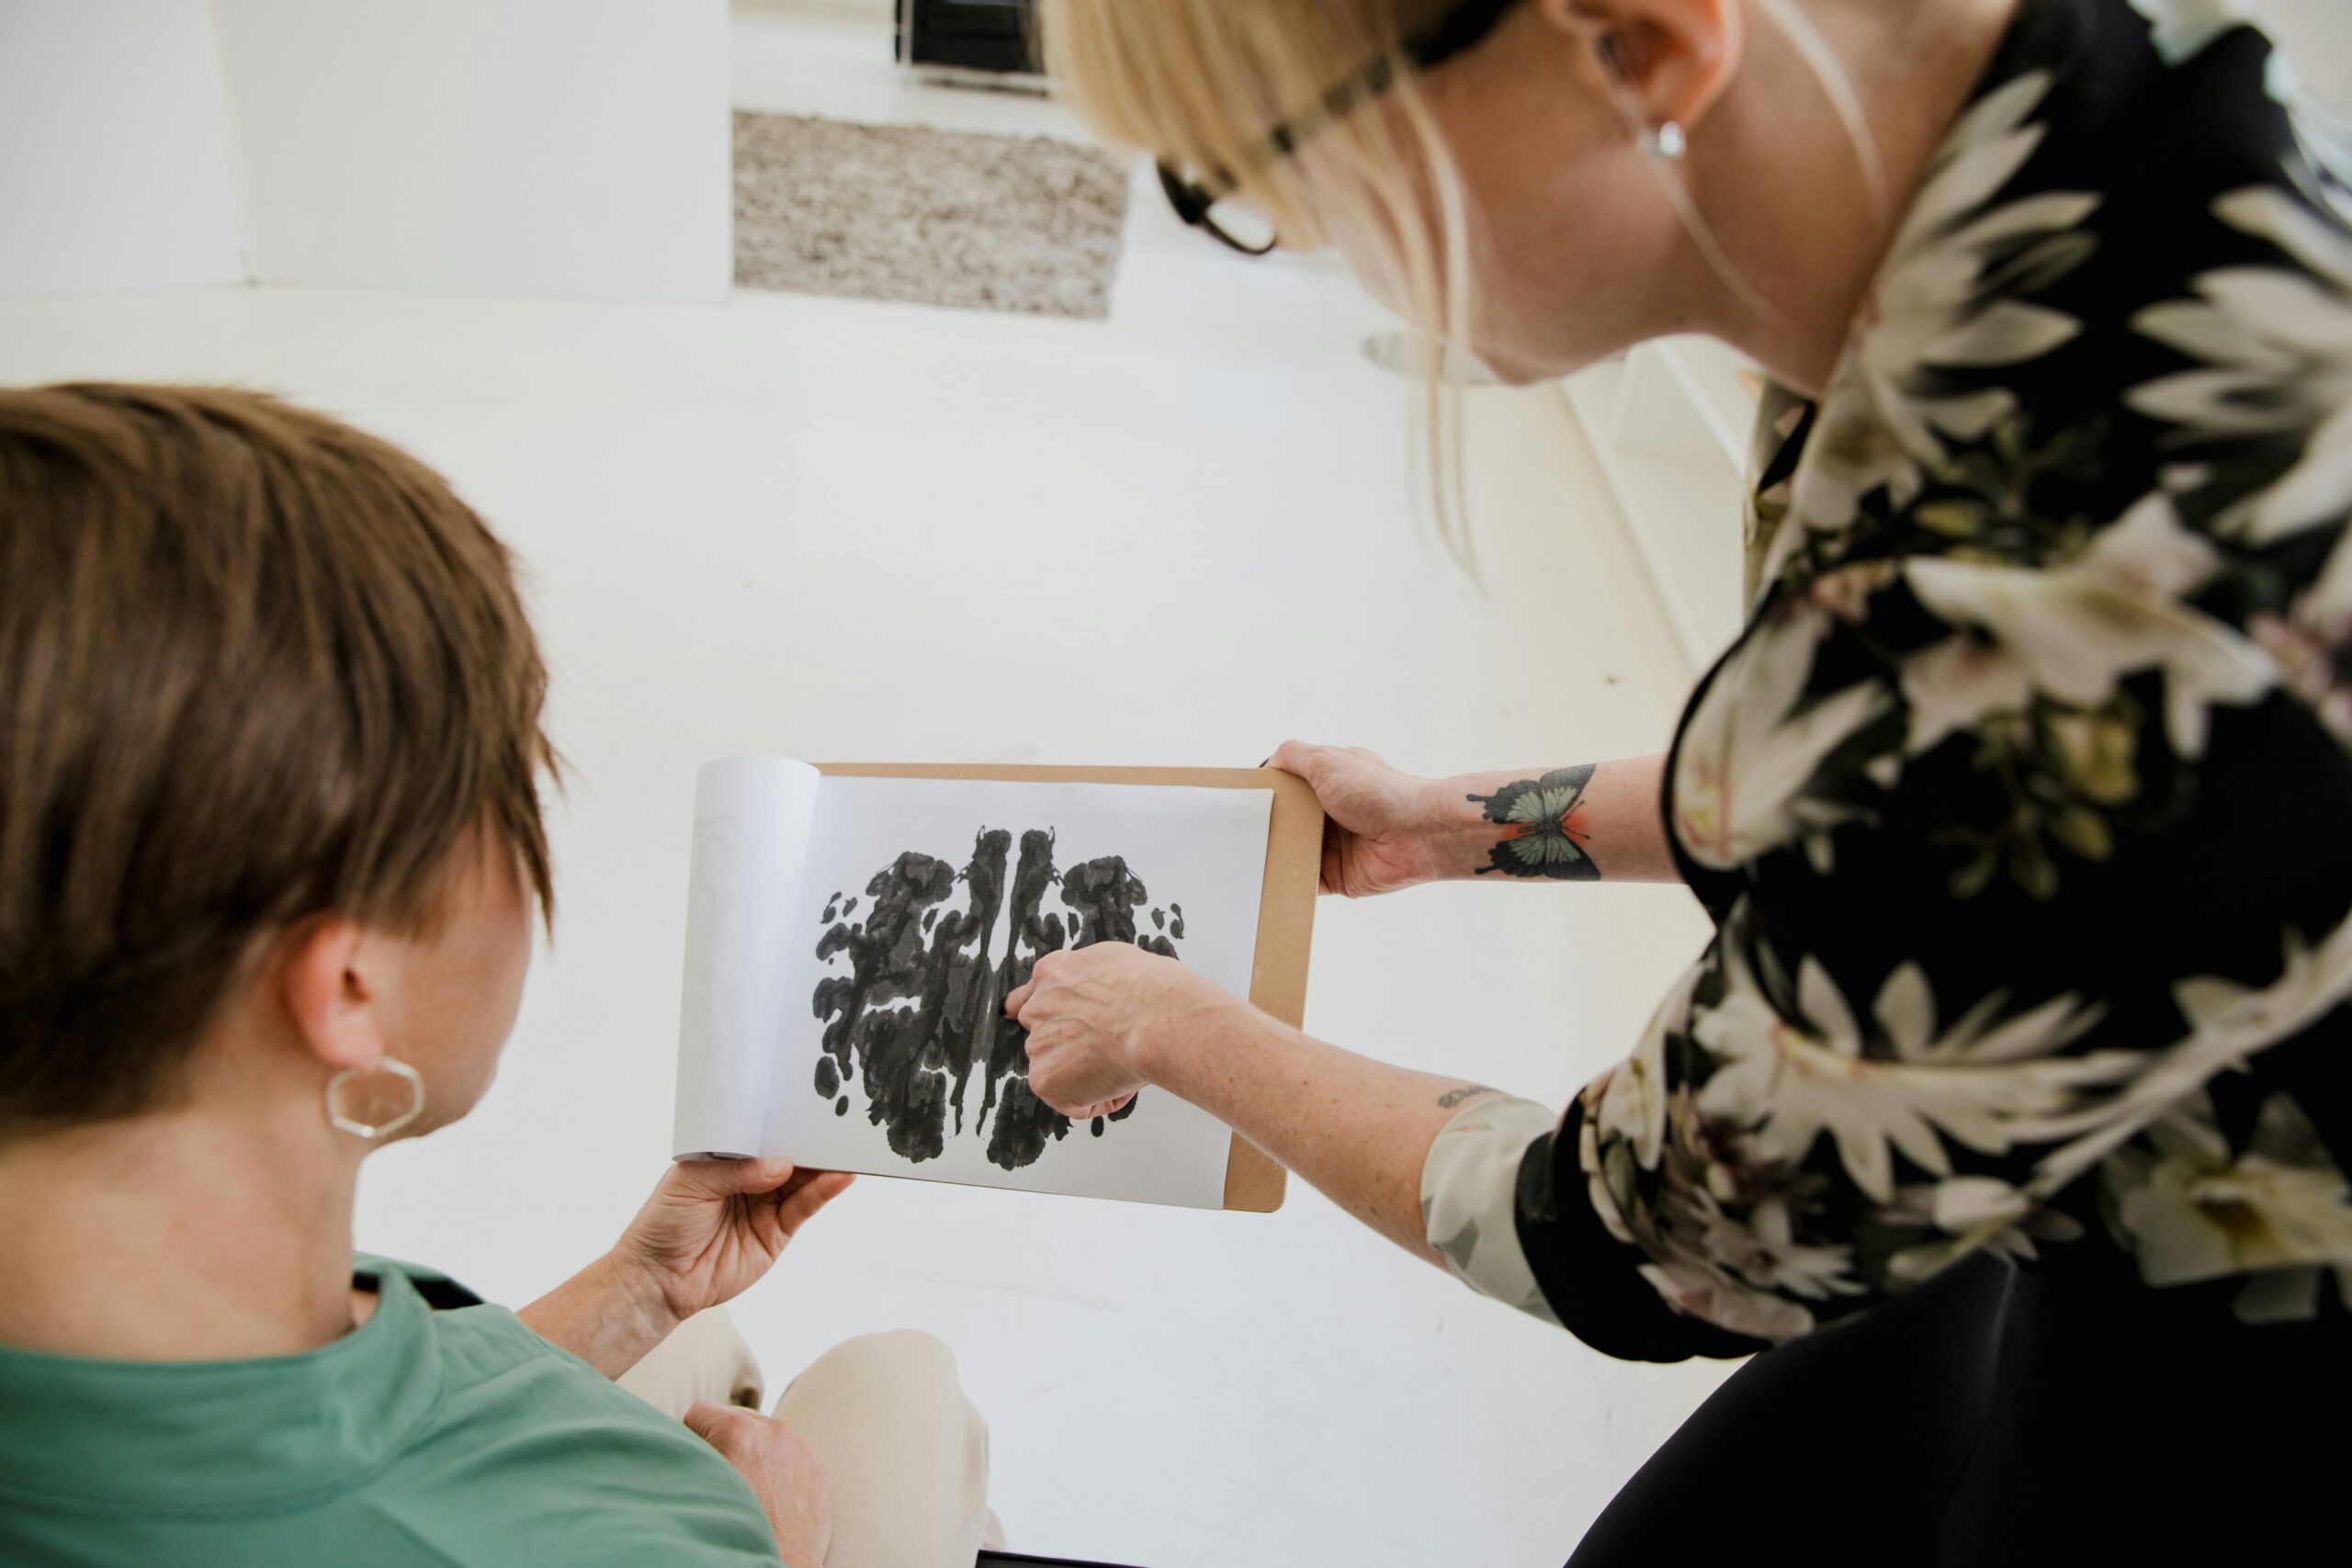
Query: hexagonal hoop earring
(341, 1122)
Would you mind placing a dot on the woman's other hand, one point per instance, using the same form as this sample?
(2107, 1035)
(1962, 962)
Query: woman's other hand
(791, 1482)
(1388, 829)
(710, 1230)
(713, 1227)
(1382, 828)
(1093, 1016)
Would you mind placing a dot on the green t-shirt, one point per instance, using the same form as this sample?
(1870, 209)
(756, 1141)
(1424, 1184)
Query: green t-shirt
(453, 1437)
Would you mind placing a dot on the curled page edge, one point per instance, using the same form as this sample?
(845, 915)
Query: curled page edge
(752, 816)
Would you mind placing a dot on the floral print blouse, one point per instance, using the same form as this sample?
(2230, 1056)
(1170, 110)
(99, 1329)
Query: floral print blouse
(2020, 806)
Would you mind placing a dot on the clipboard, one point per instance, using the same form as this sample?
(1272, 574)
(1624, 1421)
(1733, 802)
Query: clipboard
(1254, 1183)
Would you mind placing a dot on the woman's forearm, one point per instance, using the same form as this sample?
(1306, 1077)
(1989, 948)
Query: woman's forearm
(1593, 822)
(609, 1314)
(1359, 1129)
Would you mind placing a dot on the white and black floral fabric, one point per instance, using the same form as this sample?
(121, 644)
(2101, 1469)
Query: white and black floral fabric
(2021, 805)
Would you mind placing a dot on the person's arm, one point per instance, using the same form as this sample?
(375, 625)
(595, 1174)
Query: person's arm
(1427, 1161)
(1105, 1021)
(1390, 829)
(711, 1229)
(1953, 1010)
(609, 1315)
(1359, 1129)
(1638, 1222)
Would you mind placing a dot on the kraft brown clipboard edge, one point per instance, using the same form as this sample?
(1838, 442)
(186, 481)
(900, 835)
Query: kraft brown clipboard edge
(1253, 1182)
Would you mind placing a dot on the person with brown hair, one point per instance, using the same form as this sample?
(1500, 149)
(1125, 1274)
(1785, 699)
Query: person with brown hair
(2004, 1120)
(270, 850)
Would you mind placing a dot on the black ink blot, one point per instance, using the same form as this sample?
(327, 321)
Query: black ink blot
(1177, 929)
(921, 1008)
(1102, 894)
(1160, 919)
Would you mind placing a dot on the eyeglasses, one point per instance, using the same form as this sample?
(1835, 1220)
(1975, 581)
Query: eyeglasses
(1207, 203)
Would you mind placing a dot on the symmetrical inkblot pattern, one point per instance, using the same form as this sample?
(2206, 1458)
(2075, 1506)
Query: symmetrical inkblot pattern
(919, 1013)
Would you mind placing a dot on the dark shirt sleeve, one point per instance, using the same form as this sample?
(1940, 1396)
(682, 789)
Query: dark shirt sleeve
(1592, 1281)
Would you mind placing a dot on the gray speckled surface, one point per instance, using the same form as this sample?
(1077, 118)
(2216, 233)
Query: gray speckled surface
(941, 217)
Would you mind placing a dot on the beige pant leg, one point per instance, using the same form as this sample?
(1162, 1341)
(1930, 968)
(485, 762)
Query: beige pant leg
(703, 1358)
(909, 1454)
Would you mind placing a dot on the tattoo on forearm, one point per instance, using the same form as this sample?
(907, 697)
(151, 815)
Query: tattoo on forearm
(1454, 1097)
(1545, 829)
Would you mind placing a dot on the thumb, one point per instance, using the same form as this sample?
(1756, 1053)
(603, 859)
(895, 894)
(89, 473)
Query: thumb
(1298, 757)
(1018, 998)
(708, 1421)
(726, 1178)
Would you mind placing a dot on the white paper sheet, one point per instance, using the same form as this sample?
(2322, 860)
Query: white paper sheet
(752, 821)
(1199, 855)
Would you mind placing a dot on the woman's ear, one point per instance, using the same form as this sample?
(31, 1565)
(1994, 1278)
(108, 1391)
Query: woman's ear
(330, 993)
(1672, 58)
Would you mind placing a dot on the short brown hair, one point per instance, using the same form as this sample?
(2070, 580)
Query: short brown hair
(255, 665)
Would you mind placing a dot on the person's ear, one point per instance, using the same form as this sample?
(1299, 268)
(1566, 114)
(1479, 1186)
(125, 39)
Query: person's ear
(331, 994)
(1671, 59)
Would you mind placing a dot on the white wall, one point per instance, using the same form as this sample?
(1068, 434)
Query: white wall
(570, 148)
(114, 167)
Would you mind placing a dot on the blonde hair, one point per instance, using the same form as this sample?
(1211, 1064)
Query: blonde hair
(1201, 84)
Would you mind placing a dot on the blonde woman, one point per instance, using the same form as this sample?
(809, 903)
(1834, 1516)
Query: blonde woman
(2005, 1116)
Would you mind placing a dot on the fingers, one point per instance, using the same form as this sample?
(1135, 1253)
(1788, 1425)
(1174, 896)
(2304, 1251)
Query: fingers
(1018, 998)
(1078, 1113)
(800, 1205)
(1049, 1068)
(713, 1422)
(777, 1219)
(801, 1182)
(1042, 1076)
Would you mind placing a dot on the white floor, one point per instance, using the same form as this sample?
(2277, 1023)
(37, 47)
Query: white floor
(846, 530)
